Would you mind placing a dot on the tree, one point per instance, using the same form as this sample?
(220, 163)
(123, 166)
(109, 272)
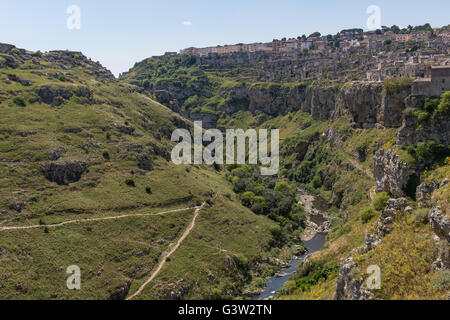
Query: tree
(248, 199)
(282, 187)
(444, 105)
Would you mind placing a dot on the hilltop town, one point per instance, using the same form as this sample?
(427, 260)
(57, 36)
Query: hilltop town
(378, 55)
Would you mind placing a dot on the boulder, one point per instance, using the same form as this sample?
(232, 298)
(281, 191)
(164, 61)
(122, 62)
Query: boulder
(64, 173)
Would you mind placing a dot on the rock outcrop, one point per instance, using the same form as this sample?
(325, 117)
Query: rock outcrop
(350, 284)
(412, 133)
(391, 174)
(440, 223)
(57, 95)
(360, 102)
(320, 101)
(383, 225)
(368, 103)
(121, 291)
(64, 173)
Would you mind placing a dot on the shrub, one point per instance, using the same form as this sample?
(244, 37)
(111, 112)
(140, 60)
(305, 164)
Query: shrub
(316, 182)
(130, 183)
(106, 155)
(441, 280)
(248, 198)
(282, 186)
(397, 85)
(216, 294)
(429, 152)
(276, 232)
(423, 117)
(367, 214)
(241, 260)
(259, 205)
(19, 101)
(421, 216)
(444, 105)
(380, 201)
(148, 189)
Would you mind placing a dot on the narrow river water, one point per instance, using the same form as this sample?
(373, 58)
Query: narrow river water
(276, 283)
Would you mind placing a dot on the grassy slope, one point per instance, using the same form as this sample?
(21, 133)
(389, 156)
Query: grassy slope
(33, 263)
(405, 256)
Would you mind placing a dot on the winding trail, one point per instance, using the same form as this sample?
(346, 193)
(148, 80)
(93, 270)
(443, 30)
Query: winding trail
(92, 220)
(168, 254)
(362, 169)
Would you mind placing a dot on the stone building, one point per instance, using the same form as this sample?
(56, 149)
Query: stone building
(435, 85)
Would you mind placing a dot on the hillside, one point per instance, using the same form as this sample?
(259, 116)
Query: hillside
(87, 177)
(86, 180)
(375, 154)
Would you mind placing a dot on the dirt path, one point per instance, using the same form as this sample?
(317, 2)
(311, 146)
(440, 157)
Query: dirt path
(91, 220)
(168, 254)
(361, 168)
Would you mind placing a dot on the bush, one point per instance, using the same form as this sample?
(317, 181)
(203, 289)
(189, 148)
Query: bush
(106, 155)
(216, 294)
(444, 105)
(248, 198)
(441, 280)
(19, 101)
(316, 182)
(421, 216)
(242, 260)
(130, 183)
(429, 152)
(282, 186)
(276, 232)
(380, 201)
(367, 214)
(148, 189)
(397, 85)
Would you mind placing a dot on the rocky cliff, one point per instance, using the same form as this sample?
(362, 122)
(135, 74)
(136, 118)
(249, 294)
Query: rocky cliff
(391, 174)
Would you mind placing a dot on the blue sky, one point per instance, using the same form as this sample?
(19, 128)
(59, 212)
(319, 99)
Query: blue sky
(120, 33)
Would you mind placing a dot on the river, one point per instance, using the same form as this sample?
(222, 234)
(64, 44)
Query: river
(276, 283)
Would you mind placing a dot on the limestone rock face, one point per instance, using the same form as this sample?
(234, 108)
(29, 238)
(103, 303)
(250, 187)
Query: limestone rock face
(121, 292)
(391, 174)
(367, 104)
(360, 102)
(321, 101)
(411, 133)
(440, 223)
(349, 284)
(57, 95)
(383, 225)
(64, 173)
(209, 120)
(392, 107)
(423, 194)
